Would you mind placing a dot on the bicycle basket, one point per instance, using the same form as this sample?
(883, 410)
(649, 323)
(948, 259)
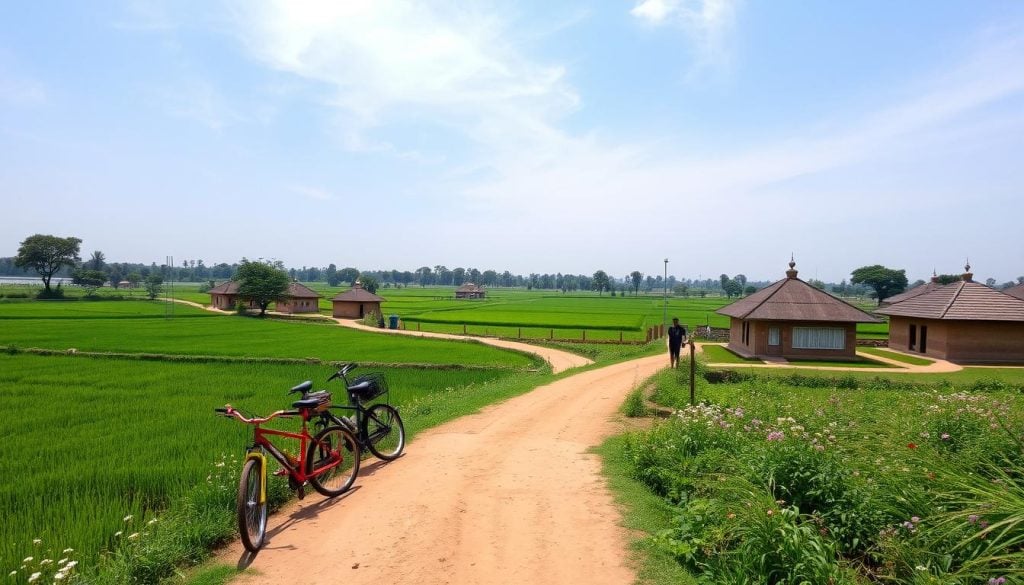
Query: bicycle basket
(376, 386)
(323, 396)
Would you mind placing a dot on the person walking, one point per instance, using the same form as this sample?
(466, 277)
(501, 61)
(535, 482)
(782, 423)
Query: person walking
(676, 337)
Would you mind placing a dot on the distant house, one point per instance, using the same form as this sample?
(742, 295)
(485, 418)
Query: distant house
(298, 299)
(792, 319)
(470, 291)
(964, 322)
(356, 303)
(914, 292)
(1016, 291)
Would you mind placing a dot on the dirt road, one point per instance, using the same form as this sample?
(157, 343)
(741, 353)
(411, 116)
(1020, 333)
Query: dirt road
(508, 495)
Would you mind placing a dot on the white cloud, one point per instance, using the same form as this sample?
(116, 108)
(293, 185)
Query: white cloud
(707, 24)
(385, 60)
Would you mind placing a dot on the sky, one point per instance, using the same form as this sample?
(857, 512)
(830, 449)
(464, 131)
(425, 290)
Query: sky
(531, 136)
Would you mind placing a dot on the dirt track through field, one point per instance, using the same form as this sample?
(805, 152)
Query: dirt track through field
(508, 495)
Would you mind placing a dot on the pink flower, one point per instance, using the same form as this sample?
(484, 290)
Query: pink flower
(945, 436)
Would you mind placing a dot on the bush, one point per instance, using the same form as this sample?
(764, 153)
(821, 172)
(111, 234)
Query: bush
(634, 406)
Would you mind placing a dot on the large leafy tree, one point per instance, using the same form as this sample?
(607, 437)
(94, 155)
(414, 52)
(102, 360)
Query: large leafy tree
(261, 283)
(154, 285)
(47, 254)
(600, 281)
(637, 277)
(886, 281)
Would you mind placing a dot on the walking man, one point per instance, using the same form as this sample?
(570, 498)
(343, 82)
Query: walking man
(676, 337)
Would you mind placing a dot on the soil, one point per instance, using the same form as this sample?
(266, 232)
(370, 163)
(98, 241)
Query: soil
(509, 495)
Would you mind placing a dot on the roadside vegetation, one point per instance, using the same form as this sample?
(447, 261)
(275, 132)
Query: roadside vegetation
(791, 478)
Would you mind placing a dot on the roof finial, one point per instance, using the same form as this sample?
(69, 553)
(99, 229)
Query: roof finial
(967, 266)
(968, 276)
(935, 276)
(791, 273)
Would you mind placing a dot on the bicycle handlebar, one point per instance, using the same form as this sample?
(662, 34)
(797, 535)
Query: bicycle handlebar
(230, 412)
(345, 368)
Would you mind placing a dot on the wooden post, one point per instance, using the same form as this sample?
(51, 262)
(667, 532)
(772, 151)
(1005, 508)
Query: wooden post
(551, 336)
(463, 328)
(417, 326)
(620, 337)
(584, 335)
(693, 370)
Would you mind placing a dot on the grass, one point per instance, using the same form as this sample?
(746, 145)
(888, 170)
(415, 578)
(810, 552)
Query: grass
(719, 354)
(768, 481)
(859, 362)
(894, 355)
(97, 309)
(93, 441)
(226, 335)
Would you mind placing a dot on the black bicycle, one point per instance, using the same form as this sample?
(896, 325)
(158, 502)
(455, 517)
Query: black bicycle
(377, 427)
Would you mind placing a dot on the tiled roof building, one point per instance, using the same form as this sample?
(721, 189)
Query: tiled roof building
(963, 322)
(793, 319)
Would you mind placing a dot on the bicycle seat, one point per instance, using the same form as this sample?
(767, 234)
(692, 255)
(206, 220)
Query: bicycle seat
(359, 388)
(302, 388)
(306, 404)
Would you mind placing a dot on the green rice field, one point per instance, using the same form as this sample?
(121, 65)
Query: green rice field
(140, 327)
(88, 442)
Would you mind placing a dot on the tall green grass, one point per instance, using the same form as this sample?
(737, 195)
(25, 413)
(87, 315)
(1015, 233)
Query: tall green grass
(115, 329)
(776, 483)
(87, 442)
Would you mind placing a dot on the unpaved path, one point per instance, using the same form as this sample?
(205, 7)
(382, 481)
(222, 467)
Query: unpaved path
(508, 495)
(936, 367)
(558, 359)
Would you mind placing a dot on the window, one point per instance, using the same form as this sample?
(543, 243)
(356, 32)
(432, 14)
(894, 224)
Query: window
(773, 336)
(819, 338)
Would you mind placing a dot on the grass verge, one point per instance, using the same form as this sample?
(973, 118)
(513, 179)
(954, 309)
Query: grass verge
(900, 357)
(719, 354)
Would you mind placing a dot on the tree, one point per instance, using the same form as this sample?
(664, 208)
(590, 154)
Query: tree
(990, 282)
(46, 255)
(97, 261)
(600, 282)
(369, 283)
(885, 281)
(134, 278)
(261, 283)
(90, 280)
(732, 288)
(154, 285)
(332, 275)
(749, 290)
(947, 278)
(637, 277)
(115, 278)
(349, 275)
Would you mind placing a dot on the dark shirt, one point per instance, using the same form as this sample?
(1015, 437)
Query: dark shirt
(676, 333)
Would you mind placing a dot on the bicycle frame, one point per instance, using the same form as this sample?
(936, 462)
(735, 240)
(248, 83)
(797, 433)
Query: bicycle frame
(295, 466)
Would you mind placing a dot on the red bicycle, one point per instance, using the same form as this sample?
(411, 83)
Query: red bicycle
(329, 462)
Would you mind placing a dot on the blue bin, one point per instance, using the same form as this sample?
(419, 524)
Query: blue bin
(393, 322)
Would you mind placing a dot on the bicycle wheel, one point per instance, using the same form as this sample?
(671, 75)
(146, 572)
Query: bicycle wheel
(385, 434)
(252, 515)
(333, 446)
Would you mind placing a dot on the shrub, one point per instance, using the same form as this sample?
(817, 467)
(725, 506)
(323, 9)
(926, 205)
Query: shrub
(634, 405)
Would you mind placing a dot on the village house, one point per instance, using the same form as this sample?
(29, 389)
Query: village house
(298, 299)
(356, 303)
(792, 319)
(1016, 291)
(964, 322)
(470, 291)
(916, 291)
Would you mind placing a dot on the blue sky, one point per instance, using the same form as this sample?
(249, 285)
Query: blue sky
(530, 136)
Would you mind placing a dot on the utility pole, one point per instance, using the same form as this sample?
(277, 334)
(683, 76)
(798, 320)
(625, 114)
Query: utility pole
(664, 299)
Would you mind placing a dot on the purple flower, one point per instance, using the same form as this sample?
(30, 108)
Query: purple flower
(972, 518)
(776, 436)
(915, 519)
(945, 436)
(997, 581)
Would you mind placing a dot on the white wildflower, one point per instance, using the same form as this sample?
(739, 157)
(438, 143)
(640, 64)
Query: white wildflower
(33, 577)
(67, 550)
(28, 559)
(128, 517)
(37, 541)
(133, 535)
(118, 533)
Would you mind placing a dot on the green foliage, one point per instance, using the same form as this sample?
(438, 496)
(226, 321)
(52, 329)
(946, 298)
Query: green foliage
(47, 254)
(261, 283)
(775, 483)
(634, 405)
(601, 282)
(885, 281)
(154, 285)
(90, 280)
(369, 283)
